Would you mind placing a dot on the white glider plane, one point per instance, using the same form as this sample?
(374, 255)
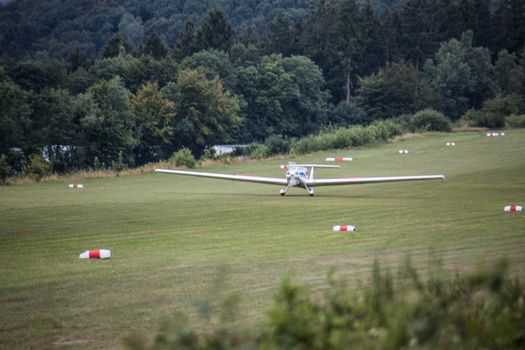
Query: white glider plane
(297, 175)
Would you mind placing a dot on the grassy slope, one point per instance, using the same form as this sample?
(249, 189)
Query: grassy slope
(173, 237)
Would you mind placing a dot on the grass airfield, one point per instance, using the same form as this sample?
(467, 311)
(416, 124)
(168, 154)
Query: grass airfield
(179, 240)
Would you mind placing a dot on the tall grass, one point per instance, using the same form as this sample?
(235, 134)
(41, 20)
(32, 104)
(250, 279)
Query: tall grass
(483, 310)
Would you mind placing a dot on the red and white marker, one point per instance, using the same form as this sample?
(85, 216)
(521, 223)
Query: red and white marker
(96, 254)
(510, 208)
(76, 186)
(284, 166)
(403, 151)
(344, 228)
(339, 159)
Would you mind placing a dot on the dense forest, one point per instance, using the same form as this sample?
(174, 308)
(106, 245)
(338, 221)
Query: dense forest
(92, 84)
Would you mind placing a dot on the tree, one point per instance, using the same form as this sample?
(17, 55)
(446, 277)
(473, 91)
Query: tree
(154, 47)
(462, 75)
(207, 113)
(115, 46)
(216, 63)
(396, 89)
(308, 109)
(282, 36)
(509, 75)
(186, 44)
(508, 26)
(131, 29)
(216, 32)
(15, 111)
(34, 75)
(155, 117)
(107, 121)
(350, 48)
(52, 119)
(53, 128)
(267, 90)
(421, 23)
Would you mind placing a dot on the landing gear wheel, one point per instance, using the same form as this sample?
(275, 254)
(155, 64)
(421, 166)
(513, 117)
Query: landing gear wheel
(310, 191)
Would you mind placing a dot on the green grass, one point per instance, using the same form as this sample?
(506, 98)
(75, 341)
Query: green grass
(173, 238)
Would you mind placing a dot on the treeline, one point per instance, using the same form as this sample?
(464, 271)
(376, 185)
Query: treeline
(339, 64)
(482, 310)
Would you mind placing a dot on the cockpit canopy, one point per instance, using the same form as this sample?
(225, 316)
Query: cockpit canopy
(300, 171)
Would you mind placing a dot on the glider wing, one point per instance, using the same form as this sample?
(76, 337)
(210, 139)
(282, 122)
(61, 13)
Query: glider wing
(367, 180)
(245, 178)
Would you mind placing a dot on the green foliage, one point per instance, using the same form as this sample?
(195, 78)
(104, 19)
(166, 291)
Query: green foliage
(216, 32)
(429, 120)
(119, 165)
(462, 75)
(257, 151)
(15, 112)
(184, 157)
(397, 89)
(155, 116)
(494, 111)
(216, 62)
(97, 164)
(207, 112)
(5, 169)
(354, 136)
(52, 120)
(509, 74)
(277, 145)
(345, 114)
(115, 46)
(108, 121)
(480, 310)
(154, 47)
(515, 121)
(37, 167)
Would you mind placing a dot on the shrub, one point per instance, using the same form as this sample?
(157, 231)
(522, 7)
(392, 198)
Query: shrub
(495, 111)
(277, 145)
(5, 169)
(516, 121)
(37, 167)
(348, 137)
(257, 151)
(483, 119)
(97, 164)
(429, 120)
(484, 310)
(119, 164)
(209, 153)
(504, 105)
(184, 157)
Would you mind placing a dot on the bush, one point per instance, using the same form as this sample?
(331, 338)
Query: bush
(97, 164)
(277, 145)
(516, 121)
(483, 119)
(494, 112)
(209, 153)
(119, 164)
(5, 169)
(484, 310)
(257, 151)
(429, 120)
(354, 136)
(37, 167)
(183, 157)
